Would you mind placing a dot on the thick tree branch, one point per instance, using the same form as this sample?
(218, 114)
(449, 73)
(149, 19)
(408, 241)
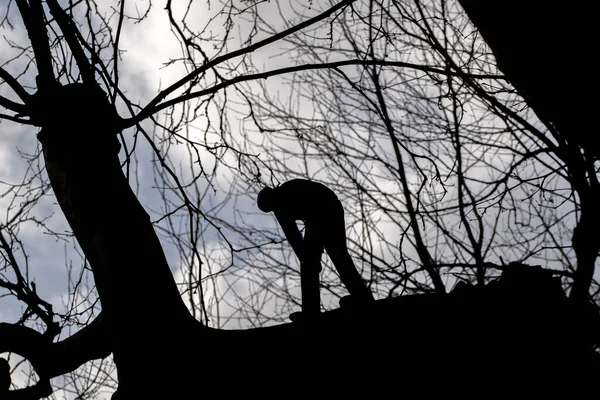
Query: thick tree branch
(55, 359)
(72, 35)
(38, 391)
(14, 85)
(11, 105)
(526, 44)
(33, 19)
(113, 230)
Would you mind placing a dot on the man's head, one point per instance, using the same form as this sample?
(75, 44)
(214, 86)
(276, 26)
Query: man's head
(264, 200)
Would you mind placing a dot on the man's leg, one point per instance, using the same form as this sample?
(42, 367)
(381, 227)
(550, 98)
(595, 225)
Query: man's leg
(310, 269)
(335, 245)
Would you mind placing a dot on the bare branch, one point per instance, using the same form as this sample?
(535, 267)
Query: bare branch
(306, 67)
(55, 359)
(14, 85)
(150, 108)
(72, 35)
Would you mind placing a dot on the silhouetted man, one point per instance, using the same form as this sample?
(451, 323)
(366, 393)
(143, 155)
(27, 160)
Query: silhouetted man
(323, 217)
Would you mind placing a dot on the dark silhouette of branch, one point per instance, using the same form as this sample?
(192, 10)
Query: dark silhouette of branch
(304, 67)
(72, 35)
(524, 40)
(14, 85)
(38, 391)
(54, 359)
(33, 18)
(150, 108)
(13, 106)
(421, 248)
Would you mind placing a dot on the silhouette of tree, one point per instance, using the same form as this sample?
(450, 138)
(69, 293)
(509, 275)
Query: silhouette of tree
(454, 161)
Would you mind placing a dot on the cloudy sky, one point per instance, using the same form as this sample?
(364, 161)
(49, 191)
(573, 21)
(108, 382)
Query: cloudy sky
(146, 66)
(148, 47)
(150, 61)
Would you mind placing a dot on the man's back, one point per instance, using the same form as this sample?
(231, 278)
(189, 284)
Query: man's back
(302, 199)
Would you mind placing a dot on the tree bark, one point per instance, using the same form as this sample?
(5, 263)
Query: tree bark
(543, 48)
(54, 359)
(144, 311)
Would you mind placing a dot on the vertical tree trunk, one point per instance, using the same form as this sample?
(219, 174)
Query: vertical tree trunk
(144, 310)
(543, 48)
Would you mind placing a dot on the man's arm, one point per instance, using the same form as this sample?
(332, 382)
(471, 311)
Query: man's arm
(292, 233)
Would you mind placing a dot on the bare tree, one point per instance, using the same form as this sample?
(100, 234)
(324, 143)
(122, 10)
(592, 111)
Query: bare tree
(543, 78)
(445, 172)
(443, 149)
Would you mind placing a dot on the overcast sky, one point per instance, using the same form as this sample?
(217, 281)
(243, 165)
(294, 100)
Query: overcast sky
(147, 49)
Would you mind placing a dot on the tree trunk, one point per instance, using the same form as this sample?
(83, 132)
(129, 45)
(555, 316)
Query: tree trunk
(162, 352)
(543, 48)
(143, 309)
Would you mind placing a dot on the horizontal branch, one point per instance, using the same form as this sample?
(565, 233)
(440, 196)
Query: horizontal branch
(11, 105)
(55, 359)
(17, 119)
(14, 85)
(306, 67)
(151, 107)
(38, 391)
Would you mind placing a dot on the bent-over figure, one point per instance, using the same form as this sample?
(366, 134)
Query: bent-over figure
(325, 229)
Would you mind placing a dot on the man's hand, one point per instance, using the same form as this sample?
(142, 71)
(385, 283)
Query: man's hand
(292, 233)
